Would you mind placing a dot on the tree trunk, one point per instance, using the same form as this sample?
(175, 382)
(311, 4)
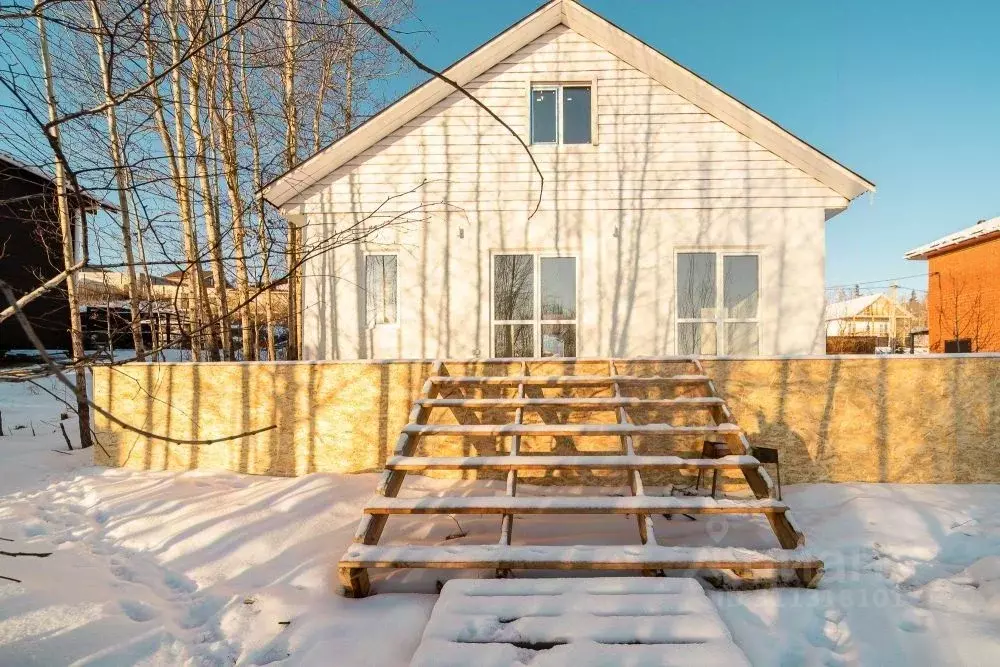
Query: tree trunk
(230, 161)
(291, 159)
(68, 245)
(196, 292)
(195, 80)
(121, 180)
(258, 179)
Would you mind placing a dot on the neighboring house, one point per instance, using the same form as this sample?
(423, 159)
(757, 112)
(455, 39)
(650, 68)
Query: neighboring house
(963, 289)
(868, 315)
(672, 218)
(31, 253)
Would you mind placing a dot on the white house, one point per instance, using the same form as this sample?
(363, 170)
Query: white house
(867, 315)
(667, 218)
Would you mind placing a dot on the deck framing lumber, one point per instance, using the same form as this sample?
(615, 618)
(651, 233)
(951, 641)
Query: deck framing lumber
(533, 393)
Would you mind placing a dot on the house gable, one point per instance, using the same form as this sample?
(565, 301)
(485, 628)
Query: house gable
(563, 39)
(653, 150)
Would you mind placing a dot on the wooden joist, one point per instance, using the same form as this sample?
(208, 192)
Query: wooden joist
(586, 462)
(580, 557)
(692, 403)
(571, 505)
(565, 380)
(569, 429)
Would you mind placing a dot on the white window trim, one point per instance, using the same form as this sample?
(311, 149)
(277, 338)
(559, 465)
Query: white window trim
(558, 85)
(364, 288)
(720, 319)
(537, 322)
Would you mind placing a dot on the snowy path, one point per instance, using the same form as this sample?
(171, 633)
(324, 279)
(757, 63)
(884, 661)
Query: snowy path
(207, 569)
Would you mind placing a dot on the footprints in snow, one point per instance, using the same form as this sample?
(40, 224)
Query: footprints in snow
(138, 611)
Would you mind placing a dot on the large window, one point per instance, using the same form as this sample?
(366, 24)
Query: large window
(560, 114)
(381, 302)
(718, 297)
(534, 306)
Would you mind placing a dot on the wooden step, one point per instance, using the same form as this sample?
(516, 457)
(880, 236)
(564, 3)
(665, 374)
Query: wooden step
(595, 462)
(578, 557)
(569, 429)
(571, 505)
(565, 380)
(693, 403)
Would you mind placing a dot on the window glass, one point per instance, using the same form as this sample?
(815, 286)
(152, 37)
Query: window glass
(576, 114)
(696, 338)
(696, 285)
(514, 340)
(741, 338)
(544, 121)
(740, 286)
(558, 288)
(558, 340)
(380, 289)
(513, 287)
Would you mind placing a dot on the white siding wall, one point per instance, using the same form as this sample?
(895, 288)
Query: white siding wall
(452, 186)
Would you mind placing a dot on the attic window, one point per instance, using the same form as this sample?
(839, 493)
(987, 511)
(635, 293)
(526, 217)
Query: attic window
(560, 114)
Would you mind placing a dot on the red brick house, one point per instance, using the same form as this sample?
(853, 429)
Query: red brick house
(963, 285)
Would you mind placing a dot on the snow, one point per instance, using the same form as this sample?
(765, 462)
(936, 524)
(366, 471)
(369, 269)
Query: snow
(598, 622)
(206, 568)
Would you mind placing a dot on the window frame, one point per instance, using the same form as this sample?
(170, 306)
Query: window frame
(558, 86)
(720, 320)
(537, 322)
(364, 268)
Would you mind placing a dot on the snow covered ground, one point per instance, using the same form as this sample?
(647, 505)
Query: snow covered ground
(218, 568)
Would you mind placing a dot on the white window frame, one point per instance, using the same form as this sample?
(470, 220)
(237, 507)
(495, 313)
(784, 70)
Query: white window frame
(558, 86)
(364, 288)
(720, 319)
(537, 321)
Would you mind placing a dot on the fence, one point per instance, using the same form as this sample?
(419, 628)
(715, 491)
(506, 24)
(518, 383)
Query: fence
(932, 419)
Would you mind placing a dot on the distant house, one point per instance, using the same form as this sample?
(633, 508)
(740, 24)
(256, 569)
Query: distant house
(31, 253)
(868, 315)
(963, 288)
(668, 217)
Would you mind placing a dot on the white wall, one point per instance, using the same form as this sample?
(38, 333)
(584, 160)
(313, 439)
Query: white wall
(452, 186)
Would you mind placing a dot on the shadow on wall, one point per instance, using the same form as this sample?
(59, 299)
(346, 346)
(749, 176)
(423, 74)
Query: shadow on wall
(917, 419)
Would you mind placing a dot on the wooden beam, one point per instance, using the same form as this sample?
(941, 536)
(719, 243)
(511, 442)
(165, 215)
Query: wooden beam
(570, 505)
(584, 462)
(695, 403)
(568, 429)
(567, 380)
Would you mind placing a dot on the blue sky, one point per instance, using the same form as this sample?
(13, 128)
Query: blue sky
(907, 93)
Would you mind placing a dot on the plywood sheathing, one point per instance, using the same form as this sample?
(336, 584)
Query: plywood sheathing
(898, 419)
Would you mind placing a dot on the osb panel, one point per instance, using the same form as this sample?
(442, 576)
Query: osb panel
(930, 419)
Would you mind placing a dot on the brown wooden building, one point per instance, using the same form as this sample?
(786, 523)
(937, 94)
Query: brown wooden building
(30, 253)
(963, 285)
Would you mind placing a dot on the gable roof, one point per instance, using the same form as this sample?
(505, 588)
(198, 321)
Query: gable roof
(8, 162)
(981, 231)
(613, 39)
(842, 310)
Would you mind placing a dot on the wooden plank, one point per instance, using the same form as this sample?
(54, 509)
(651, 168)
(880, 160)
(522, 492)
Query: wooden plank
(507, 523)
(692, 403)
(570, 505)
(568, 429)
(578, 557)
(644, 522)
(567, 380)
(587, 462)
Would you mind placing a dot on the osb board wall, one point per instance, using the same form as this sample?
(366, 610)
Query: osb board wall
(839, 419)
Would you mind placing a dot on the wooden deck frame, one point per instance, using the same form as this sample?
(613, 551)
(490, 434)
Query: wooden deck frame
(353, 567)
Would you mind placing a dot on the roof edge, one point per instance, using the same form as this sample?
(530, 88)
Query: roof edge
(632, 50)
